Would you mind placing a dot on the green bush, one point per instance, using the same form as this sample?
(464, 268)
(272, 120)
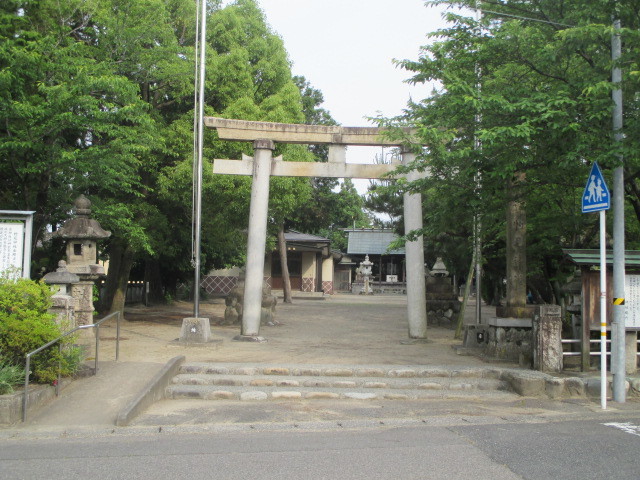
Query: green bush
(25, 326)
(10, 376)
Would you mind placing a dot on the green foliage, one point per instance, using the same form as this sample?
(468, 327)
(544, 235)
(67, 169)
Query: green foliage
(10, 376)
(25, 326)
(521, 97)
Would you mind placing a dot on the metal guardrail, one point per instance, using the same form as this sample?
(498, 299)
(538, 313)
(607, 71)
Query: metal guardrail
(594, 354)
(27, 373)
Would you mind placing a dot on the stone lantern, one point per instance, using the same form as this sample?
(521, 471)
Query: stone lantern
(442, 301)
(63, 304)
(82, 234)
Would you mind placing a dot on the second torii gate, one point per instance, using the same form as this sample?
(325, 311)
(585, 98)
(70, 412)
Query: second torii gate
(263, 165)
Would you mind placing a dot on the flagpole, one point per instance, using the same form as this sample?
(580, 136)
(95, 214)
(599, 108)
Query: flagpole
(198, 170)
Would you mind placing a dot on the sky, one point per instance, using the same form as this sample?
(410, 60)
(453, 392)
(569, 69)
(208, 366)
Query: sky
(345, 48)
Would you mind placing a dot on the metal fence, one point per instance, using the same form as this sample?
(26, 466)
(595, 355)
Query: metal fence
(27, 372)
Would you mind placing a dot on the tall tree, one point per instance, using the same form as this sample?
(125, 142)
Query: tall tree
(531, 83)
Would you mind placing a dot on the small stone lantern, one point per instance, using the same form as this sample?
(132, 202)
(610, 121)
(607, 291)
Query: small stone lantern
(63, 303)
(81, 234)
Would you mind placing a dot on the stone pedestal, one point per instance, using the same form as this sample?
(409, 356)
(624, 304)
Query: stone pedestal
(195, 330)
(63, 304)
(510, 339)
(547, 339)
(63, 307)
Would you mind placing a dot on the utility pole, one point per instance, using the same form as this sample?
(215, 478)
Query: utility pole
(477, 221)
(618, 332)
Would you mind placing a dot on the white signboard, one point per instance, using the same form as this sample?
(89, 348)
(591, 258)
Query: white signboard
(11, 248)
(632, 301)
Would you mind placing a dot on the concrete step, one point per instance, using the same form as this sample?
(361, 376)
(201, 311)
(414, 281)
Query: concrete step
(216, 392)
(371, 371)
(234, 381)
(367, 383)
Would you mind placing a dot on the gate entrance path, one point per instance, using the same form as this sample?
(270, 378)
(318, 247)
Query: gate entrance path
(342, 329)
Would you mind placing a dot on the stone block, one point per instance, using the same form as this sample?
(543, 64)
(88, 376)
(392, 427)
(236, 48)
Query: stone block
(321, 395)
(253, 396)
(216, 370)
(218, 395)
(344, 384)
(396, 396)
(262, 382)
(575, 387)
(360, 396)
(430, 386)
(375, 385)
(195, 330)
(288, 383)
(317, 383)
(402, 373)
(434, 372)
(555, 387)
(275, 371)
(369, 372)
(245, 371)
(338, 372)
(286, 395)
(307, 372)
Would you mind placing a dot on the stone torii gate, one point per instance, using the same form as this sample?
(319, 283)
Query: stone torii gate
(262, 165)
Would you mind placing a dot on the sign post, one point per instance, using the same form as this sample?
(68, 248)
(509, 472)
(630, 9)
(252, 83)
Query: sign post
(15, 243)
(596, 198)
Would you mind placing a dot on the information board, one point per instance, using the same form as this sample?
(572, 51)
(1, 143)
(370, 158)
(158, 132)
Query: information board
(11, 248)
(632, 301)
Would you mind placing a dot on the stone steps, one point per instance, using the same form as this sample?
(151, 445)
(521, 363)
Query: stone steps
(260, 382)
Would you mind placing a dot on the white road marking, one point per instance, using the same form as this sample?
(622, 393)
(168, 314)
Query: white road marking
(625, 427)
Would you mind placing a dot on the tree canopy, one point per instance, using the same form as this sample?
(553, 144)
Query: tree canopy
(525, 91)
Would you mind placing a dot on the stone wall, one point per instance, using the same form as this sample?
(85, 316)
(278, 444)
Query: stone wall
(510, 344)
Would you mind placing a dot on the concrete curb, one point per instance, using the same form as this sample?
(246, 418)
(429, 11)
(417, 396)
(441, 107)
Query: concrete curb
(152, 392)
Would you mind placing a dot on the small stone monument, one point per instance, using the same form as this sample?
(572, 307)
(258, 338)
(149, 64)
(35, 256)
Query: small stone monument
(365, 271)
(81, 234)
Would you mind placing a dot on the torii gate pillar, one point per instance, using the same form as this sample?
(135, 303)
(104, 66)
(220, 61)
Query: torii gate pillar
(416, 295)
(256, 241)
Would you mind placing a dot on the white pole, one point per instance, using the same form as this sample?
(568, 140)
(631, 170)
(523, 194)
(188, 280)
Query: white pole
(618, 368)
(198, 173)
(603, 311)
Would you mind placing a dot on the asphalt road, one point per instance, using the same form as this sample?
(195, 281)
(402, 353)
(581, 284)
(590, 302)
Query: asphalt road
(565, 450)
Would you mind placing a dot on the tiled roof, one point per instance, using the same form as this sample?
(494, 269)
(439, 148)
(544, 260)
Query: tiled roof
(592, 257)
(372, 242)
(293, 236)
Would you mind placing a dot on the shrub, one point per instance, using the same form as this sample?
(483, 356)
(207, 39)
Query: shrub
(10, 376)
(25, 325)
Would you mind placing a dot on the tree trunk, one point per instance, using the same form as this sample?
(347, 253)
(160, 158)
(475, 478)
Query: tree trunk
(282, 249)
(465, 298)
(152, 276)
(118, 279)
(111, 284)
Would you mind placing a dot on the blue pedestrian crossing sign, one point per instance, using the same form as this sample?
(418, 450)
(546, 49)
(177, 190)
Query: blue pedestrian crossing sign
(596, 195)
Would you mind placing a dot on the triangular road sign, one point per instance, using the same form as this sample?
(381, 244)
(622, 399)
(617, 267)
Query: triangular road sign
(596, 195)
